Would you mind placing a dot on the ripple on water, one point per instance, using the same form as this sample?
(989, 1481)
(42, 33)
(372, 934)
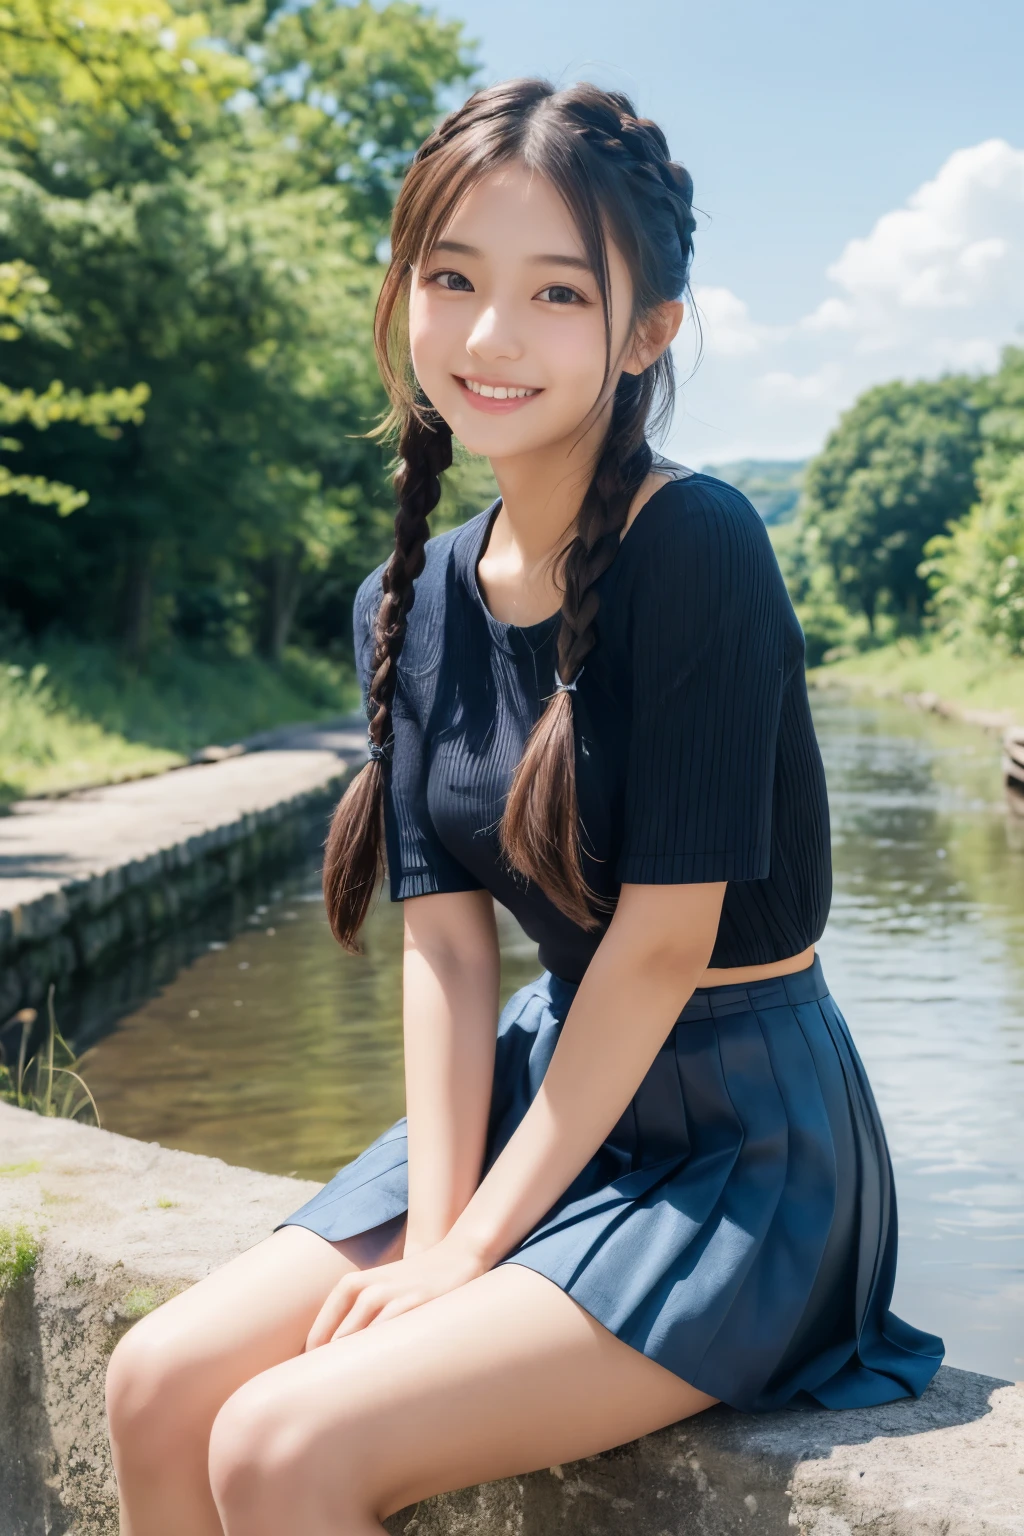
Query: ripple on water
(255, 1039)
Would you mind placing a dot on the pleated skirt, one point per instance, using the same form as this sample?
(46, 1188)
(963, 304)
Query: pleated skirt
(738, 1226)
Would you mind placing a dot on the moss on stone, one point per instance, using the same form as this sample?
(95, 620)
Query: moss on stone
(139, 1301)
(19, 1170)
(19, 1251)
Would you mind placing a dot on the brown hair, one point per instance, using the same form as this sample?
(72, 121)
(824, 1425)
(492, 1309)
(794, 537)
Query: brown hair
(614, 173)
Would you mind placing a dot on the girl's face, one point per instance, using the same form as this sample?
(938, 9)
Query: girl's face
(506, 324)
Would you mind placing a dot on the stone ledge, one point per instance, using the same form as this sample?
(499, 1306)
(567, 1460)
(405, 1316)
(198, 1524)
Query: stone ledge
(103, 870)
(123, 1224)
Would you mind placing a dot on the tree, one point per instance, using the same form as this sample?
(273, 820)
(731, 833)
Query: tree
(898, 467)
(24, 309)
(206, 195)
(976, 569)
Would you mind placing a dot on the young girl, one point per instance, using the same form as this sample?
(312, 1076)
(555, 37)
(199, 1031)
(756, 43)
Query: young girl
(662, 1181)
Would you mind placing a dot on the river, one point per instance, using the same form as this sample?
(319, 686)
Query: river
(253, 1038)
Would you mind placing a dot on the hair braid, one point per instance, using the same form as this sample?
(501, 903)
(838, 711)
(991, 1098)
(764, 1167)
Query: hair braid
(539, 830)
(354, 854)
(615, 175)
(544, 784)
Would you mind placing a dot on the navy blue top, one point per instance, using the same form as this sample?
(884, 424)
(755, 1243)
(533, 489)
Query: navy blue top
(696, 758)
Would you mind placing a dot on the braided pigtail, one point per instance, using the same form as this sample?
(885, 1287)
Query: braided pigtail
(642, 192)
(613, 171)
(539, 829)
(354, 856)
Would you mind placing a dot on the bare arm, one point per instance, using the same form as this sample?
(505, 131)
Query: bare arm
(450, 1011)
(656, 948)
(647, 964)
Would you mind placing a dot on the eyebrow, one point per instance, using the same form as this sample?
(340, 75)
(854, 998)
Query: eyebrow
(554, 259)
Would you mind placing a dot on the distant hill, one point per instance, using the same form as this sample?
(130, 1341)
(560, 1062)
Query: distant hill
(772, 485)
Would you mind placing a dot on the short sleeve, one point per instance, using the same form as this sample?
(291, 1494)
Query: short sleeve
(418, 863)
(708, 620)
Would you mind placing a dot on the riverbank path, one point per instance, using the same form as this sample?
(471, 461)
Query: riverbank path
(76, 853)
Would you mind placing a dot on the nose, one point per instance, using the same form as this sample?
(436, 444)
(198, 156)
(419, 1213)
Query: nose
(493, 336)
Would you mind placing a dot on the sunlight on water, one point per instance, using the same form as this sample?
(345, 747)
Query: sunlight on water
(253, 1038)
(924, 952)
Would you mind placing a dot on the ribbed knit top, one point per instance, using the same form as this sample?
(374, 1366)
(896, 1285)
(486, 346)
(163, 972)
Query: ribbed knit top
(696, 758)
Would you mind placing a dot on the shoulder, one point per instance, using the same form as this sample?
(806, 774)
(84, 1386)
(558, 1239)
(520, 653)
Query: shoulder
(430, 585)
(698, 514)
(701, 539)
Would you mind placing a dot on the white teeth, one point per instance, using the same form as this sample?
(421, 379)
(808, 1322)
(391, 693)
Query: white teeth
(498, 391)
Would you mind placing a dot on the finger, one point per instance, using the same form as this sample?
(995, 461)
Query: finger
(397, 1306)
(361, 1314)
(335, 1308)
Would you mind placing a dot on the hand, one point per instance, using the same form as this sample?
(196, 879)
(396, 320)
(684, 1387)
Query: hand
(370, 1296)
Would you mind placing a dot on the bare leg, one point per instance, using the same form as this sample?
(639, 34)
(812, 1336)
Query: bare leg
(170, 1374)
(504, 1376)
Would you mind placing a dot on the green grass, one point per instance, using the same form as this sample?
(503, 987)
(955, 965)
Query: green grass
(926, 666)
(18, 1254)
(73, 714)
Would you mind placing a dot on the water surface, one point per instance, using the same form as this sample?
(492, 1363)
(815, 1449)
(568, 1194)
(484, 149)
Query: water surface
(260, 1042)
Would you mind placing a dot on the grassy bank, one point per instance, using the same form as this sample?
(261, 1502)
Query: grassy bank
(921, 666)
(73, 714)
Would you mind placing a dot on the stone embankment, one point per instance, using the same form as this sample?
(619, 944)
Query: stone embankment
(102, 870)
(110, 1227)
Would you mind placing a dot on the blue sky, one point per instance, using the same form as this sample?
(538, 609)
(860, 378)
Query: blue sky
(860, 176)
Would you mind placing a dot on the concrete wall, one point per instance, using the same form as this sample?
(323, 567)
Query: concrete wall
(120, 1225)
(91, 875)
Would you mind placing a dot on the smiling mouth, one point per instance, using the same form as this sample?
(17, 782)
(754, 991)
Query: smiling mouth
(498, 391)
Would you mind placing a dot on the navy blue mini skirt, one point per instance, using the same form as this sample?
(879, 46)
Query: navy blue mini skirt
(739, 1224)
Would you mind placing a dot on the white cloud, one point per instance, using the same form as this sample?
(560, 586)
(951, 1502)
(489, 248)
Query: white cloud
(957, 236)
(782, 386)
(726, 326)
(935, 285)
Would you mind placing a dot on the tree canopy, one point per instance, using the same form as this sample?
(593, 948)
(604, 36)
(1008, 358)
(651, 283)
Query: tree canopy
(897, 468)
(912, 518)
(976, 569)
(196, 200)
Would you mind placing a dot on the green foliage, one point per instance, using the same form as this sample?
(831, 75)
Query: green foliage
(357, 88)
(829, 628)
(204, 193)
(48, 1082)
(898, 467)
(976, 570)
(94, 91)
(982, 680)
(19, 1254)
(772, 485)
(24, 309)
(80, 714)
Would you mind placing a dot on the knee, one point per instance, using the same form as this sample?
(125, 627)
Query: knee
(259, 1458)
(273, 1466)
(151, 1392)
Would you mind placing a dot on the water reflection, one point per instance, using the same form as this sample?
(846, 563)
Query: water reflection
(925, 952)
(274, 1050)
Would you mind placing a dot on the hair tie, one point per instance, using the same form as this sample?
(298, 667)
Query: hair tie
(561, 687)
(377, 753)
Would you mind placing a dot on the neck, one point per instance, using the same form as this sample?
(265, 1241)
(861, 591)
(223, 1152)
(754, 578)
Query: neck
(541, 493)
